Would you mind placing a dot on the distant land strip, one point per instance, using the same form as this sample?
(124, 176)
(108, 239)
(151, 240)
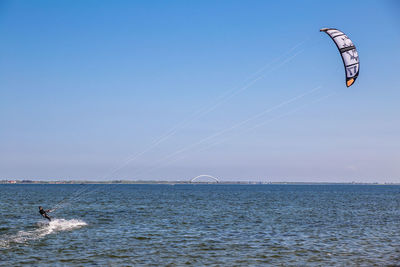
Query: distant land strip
(7, 181)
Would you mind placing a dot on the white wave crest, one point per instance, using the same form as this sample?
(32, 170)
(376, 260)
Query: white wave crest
(44, 229)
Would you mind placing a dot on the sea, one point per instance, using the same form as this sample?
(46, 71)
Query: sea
(200, 225)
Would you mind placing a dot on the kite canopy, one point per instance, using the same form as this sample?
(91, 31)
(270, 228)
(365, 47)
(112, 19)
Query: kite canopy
(347, 51)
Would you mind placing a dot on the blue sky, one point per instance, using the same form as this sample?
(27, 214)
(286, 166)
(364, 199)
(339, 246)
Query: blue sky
(87, 85)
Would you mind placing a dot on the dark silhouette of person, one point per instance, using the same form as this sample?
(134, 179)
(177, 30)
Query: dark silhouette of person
(44, 213)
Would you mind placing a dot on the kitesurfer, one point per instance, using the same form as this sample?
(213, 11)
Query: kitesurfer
(44, 213)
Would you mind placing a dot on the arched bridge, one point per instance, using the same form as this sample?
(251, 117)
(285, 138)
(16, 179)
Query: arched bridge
(204, 175)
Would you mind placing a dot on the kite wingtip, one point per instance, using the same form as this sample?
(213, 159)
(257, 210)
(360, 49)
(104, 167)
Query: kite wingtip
(350, 82)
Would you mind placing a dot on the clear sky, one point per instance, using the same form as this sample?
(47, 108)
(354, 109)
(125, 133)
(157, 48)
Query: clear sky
(227, 86)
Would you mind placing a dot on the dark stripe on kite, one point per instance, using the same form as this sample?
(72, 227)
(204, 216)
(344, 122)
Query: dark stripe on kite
(345, 49)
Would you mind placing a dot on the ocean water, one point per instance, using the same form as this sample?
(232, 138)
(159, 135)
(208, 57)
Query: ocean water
(225, 225)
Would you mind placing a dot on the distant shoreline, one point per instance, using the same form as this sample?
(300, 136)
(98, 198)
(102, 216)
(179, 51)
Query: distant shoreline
(187, 182)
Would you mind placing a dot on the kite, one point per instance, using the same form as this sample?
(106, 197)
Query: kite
(348, 52)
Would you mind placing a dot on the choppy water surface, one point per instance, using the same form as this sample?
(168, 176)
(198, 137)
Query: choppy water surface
(200, 225)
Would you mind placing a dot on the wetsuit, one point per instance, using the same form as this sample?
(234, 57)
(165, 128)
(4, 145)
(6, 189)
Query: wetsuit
(44, 214)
